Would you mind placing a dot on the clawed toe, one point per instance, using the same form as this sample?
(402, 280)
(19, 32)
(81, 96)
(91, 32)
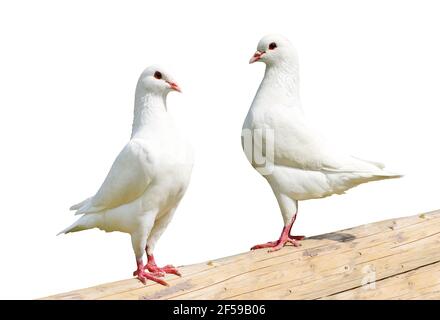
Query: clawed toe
(279, 244)
(269, 244)
(160, 272)
(171, 270)
(285, 238)
(294, 242)
(144, 276)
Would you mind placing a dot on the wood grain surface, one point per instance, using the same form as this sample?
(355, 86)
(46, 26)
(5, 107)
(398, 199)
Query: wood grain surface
(393, 259)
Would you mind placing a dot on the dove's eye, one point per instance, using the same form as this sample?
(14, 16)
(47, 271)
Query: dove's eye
(158, 75)
(272, 45)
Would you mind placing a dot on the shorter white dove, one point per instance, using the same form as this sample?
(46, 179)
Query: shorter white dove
(147, 180)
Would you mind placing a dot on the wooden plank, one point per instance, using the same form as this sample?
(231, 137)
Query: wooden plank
(401, 257)
(416, 284)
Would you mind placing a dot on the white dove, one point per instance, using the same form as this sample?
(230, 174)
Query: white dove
(300, 165)
(147, 180)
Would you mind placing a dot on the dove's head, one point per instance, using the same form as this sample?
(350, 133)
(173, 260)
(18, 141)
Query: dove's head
(274, 49)
(155, 79)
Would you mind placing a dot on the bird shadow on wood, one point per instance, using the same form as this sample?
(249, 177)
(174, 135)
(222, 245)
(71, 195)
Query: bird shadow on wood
(335, 236)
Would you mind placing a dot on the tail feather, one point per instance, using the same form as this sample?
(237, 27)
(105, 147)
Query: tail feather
(374, 170)
(374, 163)
(88, 221)
(376, 176)
(79, 205)
(388, 175)
(343, 182)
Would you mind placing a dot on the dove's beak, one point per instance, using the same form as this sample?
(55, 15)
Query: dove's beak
(257, 56)
(174, 86)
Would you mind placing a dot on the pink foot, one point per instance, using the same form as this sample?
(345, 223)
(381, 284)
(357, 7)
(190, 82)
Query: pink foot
(160, 271)
(277, 245)
(285, 238)
(143, 276)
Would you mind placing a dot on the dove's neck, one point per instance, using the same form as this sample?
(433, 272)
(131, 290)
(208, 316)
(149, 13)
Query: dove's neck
(280, 84)
(150, 109)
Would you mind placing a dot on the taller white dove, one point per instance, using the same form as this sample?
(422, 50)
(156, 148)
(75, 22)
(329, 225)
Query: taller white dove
(300, 165)
(147, 180)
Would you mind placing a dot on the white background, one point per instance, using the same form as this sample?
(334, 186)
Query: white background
(370, 78)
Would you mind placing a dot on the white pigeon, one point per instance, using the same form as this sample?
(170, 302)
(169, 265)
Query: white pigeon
(300, 165)
(147, 180)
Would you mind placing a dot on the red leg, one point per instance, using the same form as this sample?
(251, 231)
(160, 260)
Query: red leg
(160, 271)
(143, 276)
(285, 237)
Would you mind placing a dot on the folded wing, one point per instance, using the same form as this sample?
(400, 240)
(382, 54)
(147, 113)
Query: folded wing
(128, 179)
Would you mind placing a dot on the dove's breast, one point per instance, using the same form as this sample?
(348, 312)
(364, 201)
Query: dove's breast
(167, 159)
(171, 158)
(292, 142)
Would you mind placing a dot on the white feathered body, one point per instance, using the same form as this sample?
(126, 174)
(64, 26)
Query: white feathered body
(146, 182)
(304, 165)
